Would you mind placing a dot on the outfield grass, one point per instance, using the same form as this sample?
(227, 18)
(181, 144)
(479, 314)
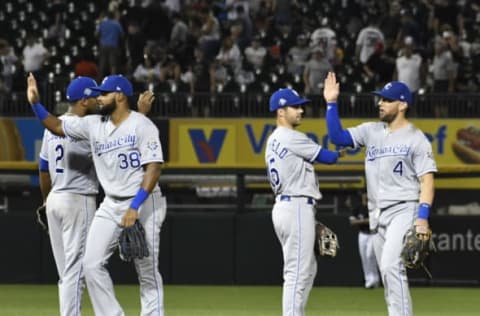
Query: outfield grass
(33, 300)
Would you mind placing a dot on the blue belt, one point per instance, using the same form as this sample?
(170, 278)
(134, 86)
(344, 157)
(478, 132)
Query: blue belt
(288, 198)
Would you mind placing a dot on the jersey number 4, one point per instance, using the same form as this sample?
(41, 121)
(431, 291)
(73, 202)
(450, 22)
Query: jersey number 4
(398, 168)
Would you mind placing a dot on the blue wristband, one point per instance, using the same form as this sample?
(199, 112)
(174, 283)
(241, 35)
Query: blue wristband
(138, 200)
(331, 104)
(40, 112)
(423, 211)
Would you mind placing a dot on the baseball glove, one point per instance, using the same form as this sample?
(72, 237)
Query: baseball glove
(132, 243)
(41, 213)
(417, 244)
(326, 241)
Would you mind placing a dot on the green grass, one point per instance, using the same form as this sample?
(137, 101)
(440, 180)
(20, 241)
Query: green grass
(31, 300)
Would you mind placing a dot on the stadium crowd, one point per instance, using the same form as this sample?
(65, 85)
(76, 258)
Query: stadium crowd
(241, 46)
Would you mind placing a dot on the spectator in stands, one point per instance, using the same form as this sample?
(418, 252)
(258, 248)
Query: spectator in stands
(179, 37)
(443, 72)
(86, 66)
(170, 71)
(111, 34)
(34, 55)
(136, 42)
(8, 66)
(368, 38)
(298, 56)
(410, 68)
(326, 38)
(233, 7)
(198, 76)
(210, 33)
(147, 74)
(230, 56)
(58, 27)
(255, 54)
(316, 70)
(244, 24)
(379, 67)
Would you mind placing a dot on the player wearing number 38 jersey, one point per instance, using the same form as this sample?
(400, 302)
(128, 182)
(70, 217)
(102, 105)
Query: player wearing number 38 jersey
(290, 156)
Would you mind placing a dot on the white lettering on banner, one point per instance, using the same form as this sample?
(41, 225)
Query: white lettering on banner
(467, 241)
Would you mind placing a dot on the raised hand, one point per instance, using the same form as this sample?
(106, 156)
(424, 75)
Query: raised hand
(32, 90)
(145, 101)
(331, 88)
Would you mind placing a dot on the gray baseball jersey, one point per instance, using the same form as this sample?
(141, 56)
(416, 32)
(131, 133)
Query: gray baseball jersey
(69, 162)
(289, 156)
(70, 204)
(393, 162)
(119, 151)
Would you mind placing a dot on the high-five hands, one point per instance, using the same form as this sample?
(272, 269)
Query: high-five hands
(145, 101)
(331, 88)
(32, 90)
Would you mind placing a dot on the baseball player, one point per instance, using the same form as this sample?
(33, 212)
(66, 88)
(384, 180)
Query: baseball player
(290, 156)
(399, 168)
(69, 186)
(359, 218)
(127, 156)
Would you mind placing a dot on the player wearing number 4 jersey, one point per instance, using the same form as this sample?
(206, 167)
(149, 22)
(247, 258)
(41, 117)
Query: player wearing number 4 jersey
(399, 168)
(127, 155)
(290, 156)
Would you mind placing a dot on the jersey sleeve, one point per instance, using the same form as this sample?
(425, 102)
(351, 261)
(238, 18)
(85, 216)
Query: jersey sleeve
(149, 143)
(44, 149)
(360, 133)
(78, 127)
(304, 147)
(423, 159)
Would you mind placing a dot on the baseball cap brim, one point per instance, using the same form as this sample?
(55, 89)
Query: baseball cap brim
(298, 102)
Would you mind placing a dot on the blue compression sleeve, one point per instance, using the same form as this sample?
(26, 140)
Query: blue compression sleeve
(336, 133)
(327, 157)
(43, 165)
(141, 196)
(40, 112)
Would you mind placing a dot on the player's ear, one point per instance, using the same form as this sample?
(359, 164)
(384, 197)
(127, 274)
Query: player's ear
(403, 107)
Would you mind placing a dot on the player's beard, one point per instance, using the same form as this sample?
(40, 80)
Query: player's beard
(107, 109)
(388, 118)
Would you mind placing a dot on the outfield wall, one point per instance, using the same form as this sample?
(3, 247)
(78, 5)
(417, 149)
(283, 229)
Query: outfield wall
(240, 248)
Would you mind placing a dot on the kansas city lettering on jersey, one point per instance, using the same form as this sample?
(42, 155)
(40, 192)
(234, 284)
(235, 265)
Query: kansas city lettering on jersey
(387, 151)
(123, 141)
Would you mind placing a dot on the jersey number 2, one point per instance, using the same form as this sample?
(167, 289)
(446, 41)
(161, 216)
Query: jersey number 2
(59, 159)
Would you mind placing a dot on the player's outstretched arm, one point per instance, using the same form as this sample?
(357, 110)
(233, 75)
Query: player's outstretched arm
(336, 133)
(145, 101)
(150, 180)
(52, 123)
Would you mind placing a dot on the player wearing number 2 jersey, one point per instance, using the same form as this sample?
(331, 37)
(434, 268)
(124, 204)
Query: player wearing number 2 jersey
(127, 154)
(69, 186)
(399, 169)
(290, 156)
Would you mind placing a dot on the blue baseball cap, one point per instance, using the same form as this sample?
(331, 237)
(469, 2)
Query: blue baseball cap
(285, 97)
(116, 83)
(81, 88)
(395, 91)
